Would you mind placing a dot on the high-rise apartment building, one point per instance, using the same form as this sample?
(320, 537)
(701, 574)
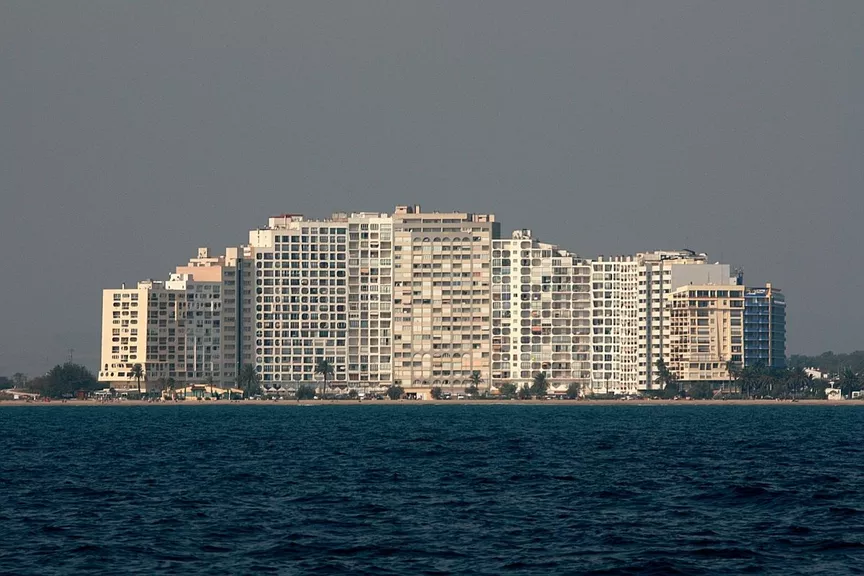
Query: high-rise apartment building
(630, 318)
(541, 313)
(323, 290)
(424, 299)
(765, 327)
(441, 298)
(174, 328)
(706, 332)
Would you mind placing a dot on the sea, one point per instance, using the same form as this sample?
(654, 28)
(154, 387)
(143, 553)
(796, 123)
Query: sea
(409, 489)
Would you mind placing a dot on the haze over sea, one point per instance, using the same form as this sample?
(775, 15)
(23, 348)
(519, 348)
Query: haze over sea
(443, 489)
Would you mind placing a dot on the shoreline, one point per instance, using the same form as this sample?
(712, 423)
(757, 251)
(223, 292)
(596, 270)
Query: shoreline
(809, 402)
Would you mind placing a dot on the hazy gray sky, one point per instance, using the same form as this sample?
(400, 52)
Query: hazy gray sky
(133, 132)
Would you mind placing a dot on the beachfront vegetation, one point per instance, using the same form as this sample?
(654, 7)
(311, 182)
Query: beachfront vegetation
(436, 392)
(325, 369)
(395, 392)
(305, 392)
(64, 380)
(524, 392)
(137, 374)
(573, 390)
(508, 390)
(475, 382)
(829, 362)
(540, 385)
(249, 381)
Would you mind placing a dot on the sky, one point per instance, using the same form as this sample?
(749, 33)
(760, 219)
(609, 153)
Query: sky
(133, 132)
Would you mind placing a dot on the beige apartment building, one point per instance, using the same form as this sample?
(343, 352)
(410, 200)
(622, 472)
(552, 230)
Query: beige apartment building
(441, 298)
(423, 299)
(541, 314)
(630, 316)
(176, 328)
(706, 332)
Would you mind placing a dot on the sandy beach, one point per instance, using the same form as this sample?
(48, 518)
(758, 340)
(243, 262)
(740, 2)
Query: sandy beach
(20, 403)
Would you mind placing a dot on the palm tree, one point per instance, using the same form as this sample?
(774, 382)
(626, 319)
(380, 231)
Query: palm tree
(797, 380)
(325, 368)
(665, 378)
(733, 369)
(848, 382)
(540, 385)
(249, 380)
(161, 385)
(749, 378)
(210, 382)
(171, 384)
(137, 372)
(476, 380)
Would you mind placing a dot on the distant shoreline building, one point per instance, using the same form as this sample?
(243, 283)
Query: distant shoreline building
(765, 327)
(428, 299)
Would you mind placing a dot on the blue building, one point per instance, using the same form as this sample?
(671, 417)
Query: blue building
(764, 327)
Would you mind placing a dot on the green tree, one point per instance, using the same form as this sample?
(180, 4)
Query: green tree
(848, 382)
(436, 392)
(573, 390)
(249, 380)
(472, 391)
(524, 392)
(475, 383)
(19, 381)
(749, 379)
(352, 394)
(65, 380)
(540, 385)
(5, 383)
(305, 392)
(665, 378)
(325, 368)
(798, 382)
(395, 392)
(137, 373)
(733, 371)
(701, 391)
(171, 384)
(508, 390)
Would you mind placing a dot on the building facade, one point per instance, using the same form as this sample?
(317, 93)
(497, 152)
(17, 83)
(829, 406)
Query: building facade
(425, 299)
(765, 327)
(630, 316)
(174, 328)
(706, 332)
(541, 314)
(441, 298)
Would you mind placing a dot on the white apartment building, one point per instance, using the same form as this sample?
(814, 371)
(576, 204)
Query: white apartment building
(541, 313)
(706, 332)
(173, 328)
(323, 291)
(441, 298)
(419, 299)
(370, 299)
(301, 298)
(630, 317)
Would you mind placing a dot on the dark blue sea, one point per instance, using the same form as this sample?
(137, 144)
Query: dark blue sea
(437, 489)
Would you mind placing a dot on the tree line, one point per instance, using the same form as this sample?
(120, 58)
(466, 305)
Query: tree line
(758, 381)
(829, 362)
